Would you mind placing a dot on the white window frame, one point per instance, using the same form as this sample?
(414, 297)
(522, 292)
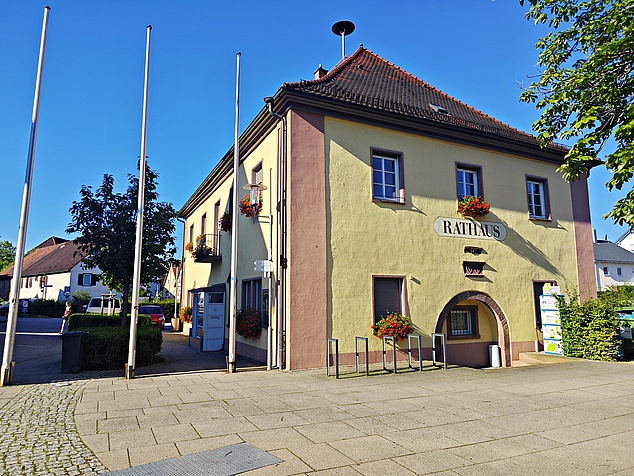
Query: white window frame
(461, 175)
(83, 279)
(537, 188)
(606, 271)
(619, 272)
(393, 158)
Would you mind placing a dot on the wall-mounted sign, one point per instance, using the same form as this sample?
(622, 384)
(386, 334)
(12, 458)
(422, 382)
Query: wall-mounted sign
(457, 228)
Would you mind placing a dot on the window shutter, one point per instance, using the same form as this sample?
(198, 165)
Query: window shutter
(387, 296)
(93, 279)
(80, 279)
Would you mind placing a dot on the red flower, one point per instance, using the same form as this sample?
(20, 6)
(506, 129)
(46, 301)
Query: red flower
(245, 206)
(394, 325)
(474, 207)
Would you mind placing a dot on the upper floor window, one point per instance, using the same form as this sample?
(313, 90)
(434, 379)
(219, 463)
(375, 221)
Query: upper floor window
(256, 174)
(619, 272)
(387, 177)
(606, 271)
(86, 279)
(538, 202)
(468, 181)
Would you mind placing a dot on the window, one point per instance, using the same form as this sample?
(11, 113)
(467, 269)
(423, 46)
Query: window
(252, 294)
(256, 174)
(468, 181)
(463, 323)
(86, 279)
(387, 177)
(191, 233)
(606, 271)
(387, 296)
(538, 203)
(618, 272)
(203, 224)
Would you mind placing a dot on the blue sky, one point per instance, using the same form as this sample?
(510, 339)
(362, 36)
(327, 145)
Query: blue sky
(478, 51)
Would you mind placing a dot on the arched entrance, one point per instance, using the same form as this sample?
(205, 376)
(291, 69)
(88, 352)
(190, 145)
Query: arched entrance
(502, 323)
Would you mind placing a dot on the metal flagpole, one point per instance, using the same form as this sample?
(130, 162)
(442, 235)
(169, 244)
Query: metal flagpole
(231, 359)
(6, 374)
(129, 367)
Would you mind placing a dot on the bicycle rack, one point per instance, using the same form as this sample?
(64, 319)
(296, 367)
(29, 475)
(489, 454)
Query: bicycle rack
(356, 350)
(443, 337)
(420, 351)
(384, 339)
(330, 341)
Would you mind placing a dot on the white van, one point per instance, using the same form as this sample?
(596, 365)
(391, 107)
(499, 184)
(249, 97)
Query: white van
(100, 305)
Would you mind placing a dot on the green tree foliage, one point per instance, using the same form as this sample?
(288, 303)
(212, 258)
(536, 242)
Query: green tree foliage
(7, 254)
(586, 87)
(106, 222)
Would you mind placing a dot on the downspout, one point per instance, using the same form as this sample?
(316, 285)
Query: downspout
(281, 237)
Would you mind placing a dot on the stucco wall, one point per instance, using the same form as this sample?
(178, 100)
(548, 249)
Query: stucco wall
(369, 238)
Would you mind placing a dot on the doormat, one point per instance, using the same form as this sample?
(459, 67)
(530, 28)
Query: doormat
(225, 461)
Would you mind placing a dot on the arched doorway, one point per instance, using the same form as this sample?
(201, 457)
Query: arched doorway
(502, 324)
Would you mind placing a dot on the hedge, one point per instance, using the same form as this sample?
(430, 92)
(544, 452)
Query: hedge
(106, 348)
(47, 308)
(167, 307)
(80, 321)
(589, 330)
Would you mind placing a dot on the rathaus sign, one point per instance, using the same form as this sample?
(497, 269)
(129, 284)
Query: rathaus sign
(457, 228)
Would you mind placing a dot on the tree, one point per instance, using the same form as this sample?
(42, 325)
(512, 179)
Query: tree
(106, 222)
(586, 87)
(7, 254)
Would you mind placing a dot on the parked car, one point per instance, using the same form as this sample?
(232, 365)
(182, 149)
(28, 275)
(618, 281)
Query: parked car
(95, 306)
(155, 312)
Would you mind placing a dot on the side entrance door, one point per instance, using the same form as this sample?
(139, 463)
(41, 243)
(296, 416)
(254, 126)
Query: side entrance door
(214, 321)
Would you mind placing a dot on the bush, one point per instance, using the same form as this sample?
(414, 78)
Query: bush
(79, 300)
(589, 330)
(106, 348)
(81, 321)
(47, 308)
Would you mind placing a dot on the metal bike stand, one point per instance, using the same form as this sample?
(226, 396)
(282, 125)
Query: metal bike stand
(384, 339)
(336, 342)
(444, 348)
(420, 351)
(356, 350)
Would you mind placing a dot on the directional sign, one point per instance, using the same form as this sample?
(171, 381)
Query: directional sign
(263, 265)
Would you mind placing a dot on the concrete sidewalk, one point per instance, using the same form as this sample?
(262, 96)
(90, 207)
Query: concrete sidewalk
(573, 418)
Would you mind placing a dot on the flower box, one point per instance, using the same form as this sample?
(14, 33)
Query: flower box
(474, 207)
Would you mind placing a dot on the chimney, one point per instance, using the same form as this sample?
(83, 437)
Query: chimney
(320, 72)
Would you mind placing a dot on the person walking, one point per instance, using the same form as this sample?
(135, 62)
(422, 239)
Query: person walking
(65, 316)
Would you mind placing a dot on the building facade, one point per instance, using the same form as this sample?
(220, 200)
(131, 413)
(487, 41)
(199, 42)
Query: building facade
(54, 270)
(364, 167)
(614, 265)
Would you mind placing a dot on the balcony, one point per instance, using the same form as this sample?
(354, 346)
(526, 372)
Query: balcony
(207, 249)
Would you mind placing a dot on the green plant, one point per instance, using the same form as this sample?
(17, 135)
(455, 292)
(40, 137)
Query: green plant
(107, 347)
(168, 308)
(225, 222)
(82, 321)
(589, 330)
(475, 207)
(185, 314)
(249, 324)
(394, 324)
(79, 300)
(47, 308)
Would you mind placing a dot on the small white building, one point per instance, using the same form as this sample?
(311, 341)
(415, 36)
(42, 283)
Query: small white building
(614, 265)
(54, 270)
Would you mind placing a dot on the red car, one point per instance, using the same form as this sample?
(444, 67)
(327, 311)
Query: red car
(155, 312)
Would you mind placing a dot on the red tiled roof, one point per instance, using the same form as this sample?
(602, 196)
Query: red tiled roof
(366, 79)
(55, 255)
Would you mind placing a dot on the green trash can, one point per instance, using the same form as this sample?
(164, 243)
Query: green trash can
(72, 350)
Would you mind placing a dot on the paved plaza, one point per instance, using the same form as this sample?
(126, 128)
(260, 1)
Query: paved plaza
(570, 418)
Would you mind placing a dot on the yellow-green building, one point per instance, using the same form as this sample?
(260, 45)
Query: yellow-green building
(364, 167)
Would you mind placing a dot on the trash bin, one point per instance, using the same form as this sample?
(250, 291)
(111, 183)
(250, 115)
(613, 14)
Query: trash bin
(494, 356)
(72, 350)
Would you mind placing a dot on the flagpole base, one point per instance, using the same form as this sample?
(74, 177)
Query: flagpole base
(129, 372)
(231, 366)
(7, 374)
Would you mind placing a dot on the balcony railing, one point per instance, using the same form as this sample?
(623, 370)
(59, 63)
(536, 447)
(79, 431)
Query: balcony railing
(207, 250)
